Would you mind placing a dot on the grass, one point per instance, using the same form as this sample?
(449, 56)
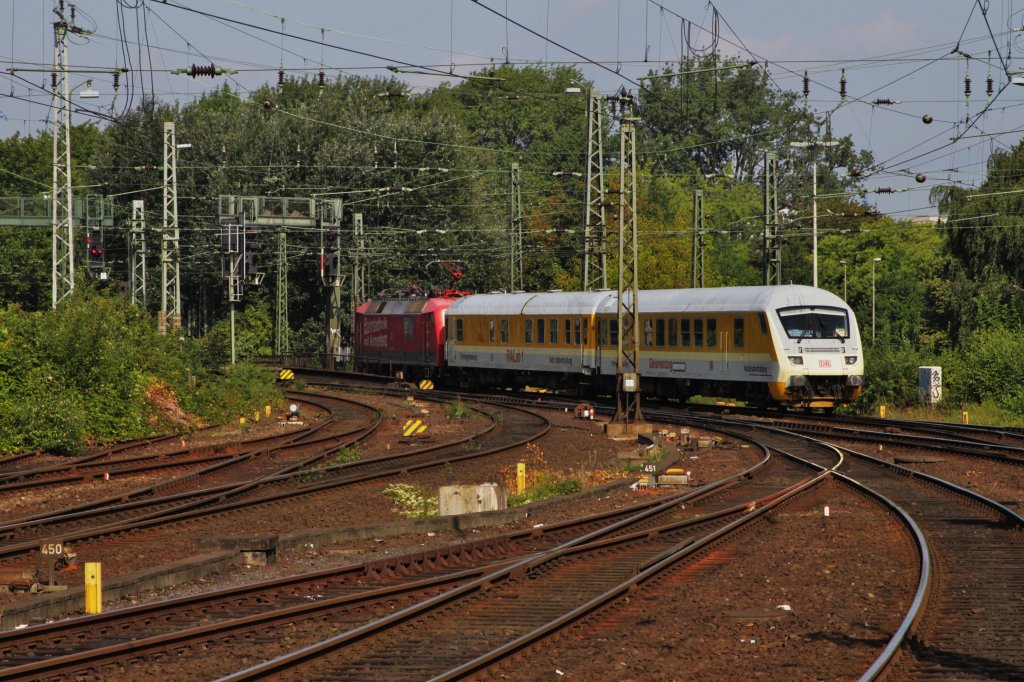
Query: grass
(985, 414)
(546, 486)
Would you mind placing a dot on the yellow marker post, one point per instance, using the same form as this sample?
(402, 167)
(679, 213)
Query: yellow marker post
(881, 411)
(521, 478)
(266, 410)
(93, 588)
(241, 421)
(965, 418)
(256, 416)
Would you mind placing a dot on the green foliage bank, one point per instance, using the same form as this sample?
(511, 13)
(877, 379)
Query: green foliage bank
(94, 370)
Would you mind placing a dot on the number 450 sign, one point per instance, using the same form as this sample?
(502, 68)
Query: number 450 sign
(51, 549)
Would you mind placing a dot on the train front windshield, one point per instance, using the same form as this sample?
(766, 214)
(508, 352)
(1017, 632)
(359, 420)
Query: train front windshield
(815, 323)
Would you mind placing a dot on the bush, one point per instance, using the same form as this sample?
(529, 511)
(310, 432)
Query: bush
(411, 501)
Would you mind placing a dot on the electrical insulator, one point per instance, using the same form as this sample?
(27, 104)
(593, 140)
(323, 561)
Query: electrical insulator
(807, 86)
(967, 86)
(842, 86)
(280, 77)
(204, 70)
(883, 101)
(117, 80)
(53, 80)
(989, 89)
(927, 118)
(884, 190)
(920, 177)
(320, 78)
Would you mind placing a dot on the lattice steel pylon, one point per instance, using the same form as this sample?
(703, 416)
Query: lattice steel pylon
(137, 252)
(358, 292)
(697, 252)
(627, 378)
(772, 237)
(62, 201)
(594, 261)
(515, 220)
(170, 252)
(282, 343)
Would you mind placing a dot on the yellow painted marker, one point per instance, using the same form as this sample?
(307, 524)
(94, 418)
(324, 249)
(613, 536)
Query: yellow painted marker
(93, 588)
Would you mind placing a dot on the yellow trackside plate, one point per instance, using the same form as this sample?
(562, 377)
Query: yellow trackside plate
(414, 427)
(286, 375)
(426, 385)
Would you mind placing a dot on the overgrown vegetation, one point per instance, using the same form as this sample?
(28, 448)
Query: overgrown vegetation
(544, 486)
(412, 501)
(456, 410)
(342, 455)
(94, 370)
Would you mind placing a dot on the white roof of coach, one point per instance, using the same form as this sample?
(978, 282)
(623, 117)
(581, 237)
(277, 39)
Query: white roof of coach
(549, 303)
(737, 299)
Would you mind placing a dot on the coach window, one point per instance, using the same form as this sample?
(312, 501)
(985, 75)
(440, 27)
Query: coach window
(490, 330)
(648, 333)
(613, 328)
(529, 330)
(684, 332)
(659, 333)
(698, 333)
(586, 331)
(568, 331)
(458, 329)
(540, 330)
(577, 323)
(673, 332)
(504, 331)
(602, 332)
(763, 321)
(553, 331)
(712, 332)
(737, 332)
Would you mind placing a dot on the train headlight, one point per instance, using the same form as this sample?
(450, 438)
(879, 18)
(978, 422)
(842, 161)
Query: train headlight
(855, 380)
(796, 359)
(851, 359)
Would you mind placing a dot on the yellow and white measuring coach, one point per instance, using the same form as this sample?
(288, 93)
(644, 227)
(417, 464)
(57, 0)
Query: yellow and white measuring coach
(791, 345)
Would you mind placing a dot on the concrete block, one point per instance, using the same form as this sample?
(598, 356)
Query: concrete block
(673, 479)
(470, 499)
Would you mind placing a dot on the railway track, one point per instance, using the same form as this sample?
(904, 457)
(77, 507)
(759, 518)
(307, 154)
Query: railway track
(718, 505)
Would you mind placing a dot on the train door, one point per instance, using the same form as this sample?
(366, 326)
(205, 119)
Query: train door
(589, 356)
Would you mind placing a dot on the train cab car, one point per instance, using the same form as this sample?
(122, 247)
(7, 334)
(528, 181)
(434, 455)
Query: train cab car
(791, 345)
(402, 335)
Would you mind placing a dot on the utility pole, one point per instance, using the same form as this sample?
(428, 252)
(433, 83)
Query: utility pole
(62, 220)
(772, 238)
(170, 253)
(515, 218)
(330, 217)
(358, 294)
(627, 377)
(137, 255)
(594, 266)
(281, 341)
(697, 275)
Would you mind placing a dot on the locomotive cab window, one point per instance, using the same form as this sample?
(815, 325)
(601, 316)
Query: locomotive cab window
(815, 322)
(712, 332)
(490, 330)
(459, 334)
(763, 321)
(540, 330)
(553, 331)
(504, 331)
(737, 332)
(529, 330)
(407, 328)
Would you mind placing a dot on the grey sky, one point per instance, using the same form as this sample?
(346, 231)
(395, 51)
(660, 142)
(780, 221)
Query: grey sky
(793, 35)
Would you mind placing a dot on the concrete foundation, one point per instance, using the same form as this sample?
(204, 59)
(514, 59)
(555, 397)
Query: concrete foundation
(613, 430)
(470, 499)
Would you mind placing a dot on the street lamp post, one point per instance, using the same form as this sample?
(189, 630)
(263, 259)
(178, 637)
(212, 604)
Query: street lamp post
(873, 261)
(843, 263)
(814, 200)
